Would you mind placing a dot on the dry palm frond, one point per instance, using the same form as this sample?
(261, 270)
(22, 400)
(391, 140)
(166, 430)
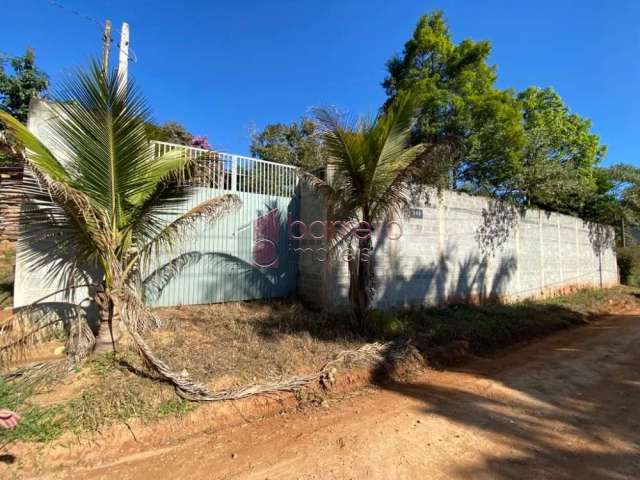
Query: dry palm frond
(172, 233)
(41, 322)
(370, 353)
(138, 317)
(315, 183)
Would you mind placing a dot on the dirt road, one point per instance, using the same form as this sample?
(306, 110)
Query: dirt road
(565, 407)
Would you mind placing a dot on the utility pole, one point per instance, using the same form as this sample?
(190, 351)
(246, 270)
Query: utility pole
(106, 45)
(124, 54)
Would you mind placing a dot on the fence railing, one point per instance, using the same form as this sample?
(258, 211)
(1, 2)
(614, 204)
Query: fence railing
(236, 173)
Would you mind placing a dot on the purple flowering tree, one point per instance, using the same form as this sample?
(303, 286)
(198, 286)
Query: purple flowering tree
(200, 141)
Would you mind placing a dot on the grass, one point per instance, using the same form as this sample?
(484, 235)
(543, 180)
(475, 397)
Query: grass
(235, 344)
(38, 423)
(487, 328)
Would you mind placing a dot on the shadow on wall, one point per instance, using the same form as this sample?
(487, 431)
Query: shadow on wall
(602, 237)
(247, 274)
(263, 266)
(499, 220)
(468, 281)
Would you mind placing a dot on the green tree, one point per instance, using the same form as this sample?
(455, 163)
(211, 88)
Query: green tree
(616, 201)
(372, 160)
(457, 97)
(559, 160)
(528, 148)
(17, 89)
(100, 210)
(297, 144)
(171, 132)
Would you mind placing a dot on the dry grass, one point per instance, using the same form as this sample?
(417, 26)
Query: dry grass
(251, 342)
(237, 343)
(221, 345)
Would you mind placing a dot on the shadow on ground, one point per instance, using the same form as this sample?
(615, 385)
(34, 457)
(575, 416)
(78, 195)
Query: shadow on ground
(573, 414)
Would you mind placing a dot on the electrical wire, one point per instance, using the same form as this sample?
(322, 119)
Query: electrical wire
(131, 55)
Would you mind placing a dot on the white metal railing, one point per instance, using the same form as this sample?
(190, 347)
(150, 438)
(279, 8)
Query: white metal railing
(237, 173)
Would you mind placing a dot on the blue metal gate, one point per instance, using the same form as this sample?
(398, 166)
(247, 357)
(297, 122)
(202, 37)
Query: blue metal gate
(244, 255)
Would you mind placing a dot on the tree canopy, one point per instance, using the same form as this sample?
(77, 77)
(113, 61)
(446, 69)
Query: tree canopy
(295, 144)
(175, 132)
(560, 157)
(18, 88)
(527, 147)
(457, 96)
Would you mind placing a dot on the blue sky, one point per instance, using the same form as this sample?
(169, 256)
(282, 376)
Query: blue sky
(225, 67)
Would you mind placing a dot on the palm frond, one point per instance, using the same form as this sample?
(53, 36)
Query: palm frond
(315, 183)
(36, 152)
(41, 322)
(169, 237)
(100, 131)
(61, 234)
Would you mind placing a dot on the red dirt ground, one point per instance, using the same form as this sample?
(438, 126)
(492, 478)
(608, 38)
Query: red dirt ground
(561, 408)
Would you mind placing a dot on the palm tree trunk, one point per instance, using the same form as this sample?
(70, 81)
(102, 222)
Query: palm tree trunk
(109, 326)
(360, 270)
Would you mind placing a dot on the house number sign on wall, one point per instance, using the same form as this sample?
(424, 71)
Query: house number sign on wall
(415, 213)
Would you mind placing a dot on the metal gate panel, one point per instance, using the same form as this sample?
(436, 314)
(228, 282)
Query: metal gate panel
(244, 255)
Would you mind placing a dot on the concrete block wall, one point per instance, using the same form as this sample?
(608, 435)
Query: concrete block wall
(457, 247)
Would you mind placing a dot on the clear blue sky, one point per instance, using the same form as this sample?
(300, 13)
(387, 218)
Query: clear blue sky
(224, 67)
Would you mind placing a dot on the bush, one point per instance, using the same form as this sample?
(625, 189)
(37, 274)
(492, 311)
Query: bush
(389, 324)
(629, 264)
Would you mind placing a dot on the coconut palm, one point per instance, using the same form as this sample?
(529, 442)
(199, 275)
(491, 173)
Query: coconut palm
(373, 162)
(93, 211)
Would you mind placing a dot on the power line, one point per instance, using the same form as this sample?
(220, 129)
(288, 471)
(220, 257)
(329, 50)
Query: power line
(130, 54)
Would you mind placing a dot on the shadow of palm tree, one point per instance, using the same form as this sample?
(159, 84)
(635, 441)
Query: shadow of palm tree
(537, 412)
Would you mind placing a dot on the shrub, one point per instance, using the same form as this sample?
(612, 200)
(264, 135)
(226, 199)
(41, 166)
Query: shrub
(629, 264)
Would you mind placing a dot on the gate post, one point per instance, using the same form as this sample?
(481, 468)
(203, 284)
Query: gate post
(234, 173)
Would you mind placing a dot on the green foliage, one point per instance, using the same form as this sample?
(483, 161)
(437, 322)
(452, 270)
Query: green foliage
(629, 264)
(297, 144)
(488, 327)
(558, 169)
(457, 96)
(38, 424)
(17, 89)
(388, 324)
(372, 160)
(172, 132)
(110, 402)
(528, 148)
(175, 407)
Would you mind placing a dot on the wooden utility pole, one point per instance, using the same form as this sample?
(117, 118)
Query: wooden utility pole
(106, 45)
(124, 53)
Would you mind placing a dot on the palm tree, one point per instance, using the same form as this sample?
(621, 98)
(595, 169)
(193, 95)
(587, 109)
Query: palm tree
(93, 212)
(374, 162)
